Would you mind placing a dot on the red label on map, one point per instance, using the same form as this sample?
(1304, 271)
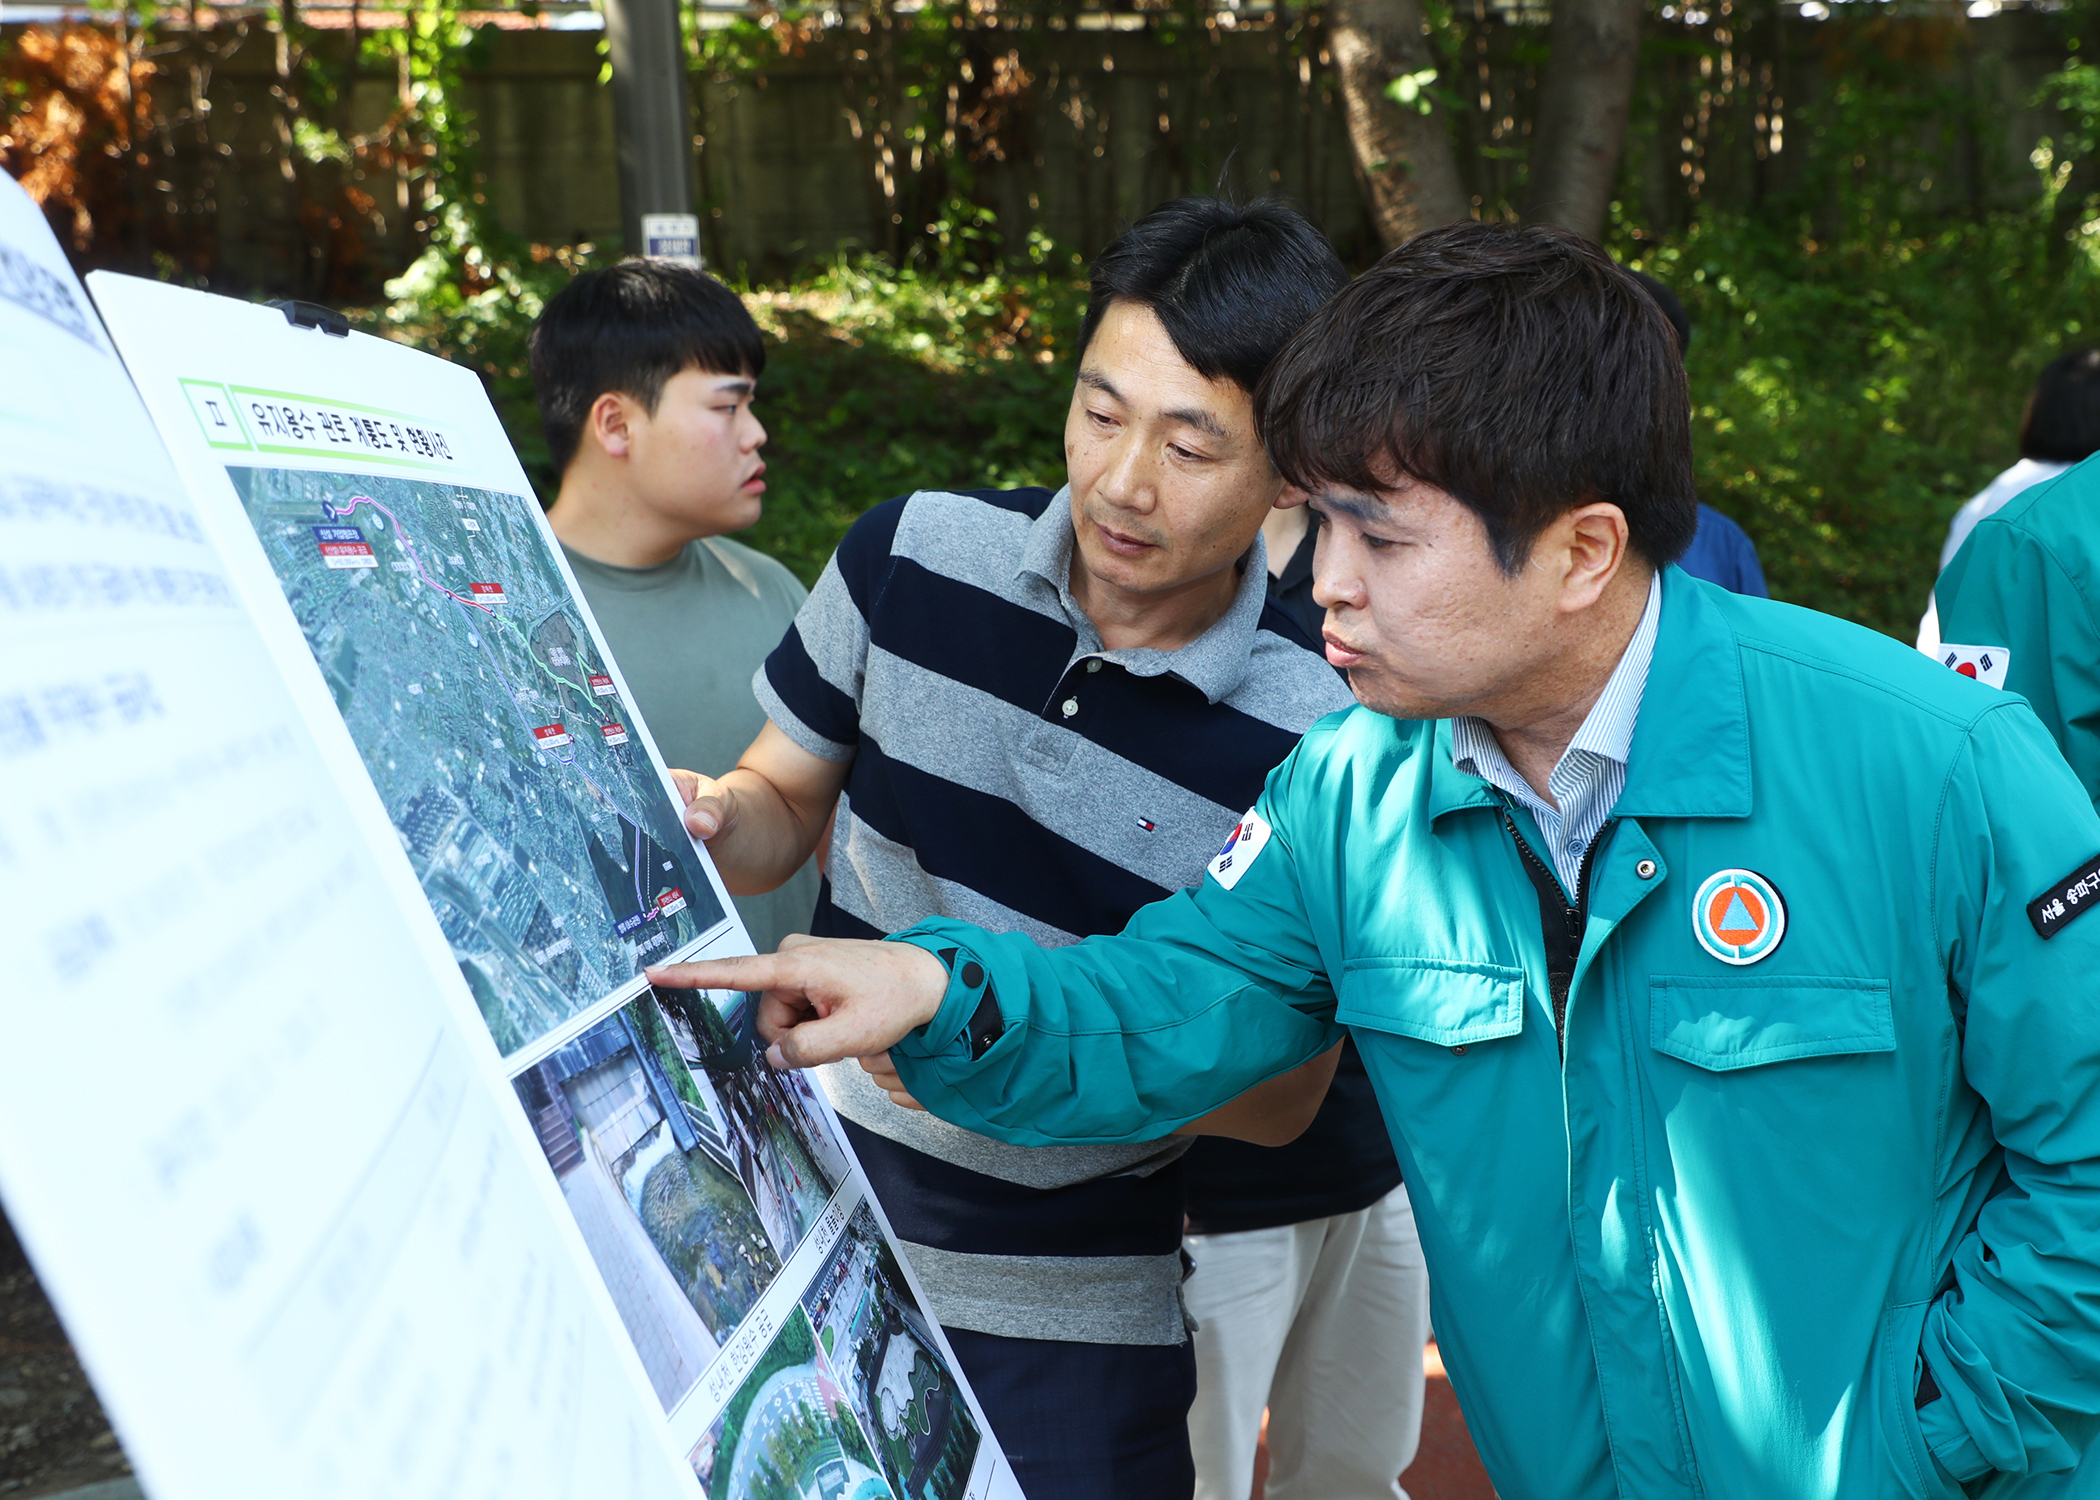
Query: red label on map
(551, 736)
(670, 903)
(602, 685)
(348, 555)
(615, 734)
(486, 593)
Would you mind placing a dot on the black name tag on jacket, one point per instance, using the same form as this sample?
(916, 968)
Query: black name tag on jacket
(2070, 897)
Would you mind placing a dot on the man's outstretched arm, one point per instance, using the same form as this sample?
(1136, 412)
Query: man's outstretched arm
(1123, 1038)
(1269, 1114)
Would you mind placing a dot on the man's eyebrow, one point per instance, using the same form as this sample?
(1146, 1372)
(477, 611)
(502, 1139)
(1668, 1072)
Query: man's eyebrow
(1095, 380)
(1191, 416)
(1369, 511)
(1201, 420)
(738, 388)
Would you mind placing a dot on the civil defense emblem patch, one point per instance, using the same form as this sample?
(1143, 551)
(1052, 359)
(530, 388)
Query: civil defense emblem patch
(1739, 916)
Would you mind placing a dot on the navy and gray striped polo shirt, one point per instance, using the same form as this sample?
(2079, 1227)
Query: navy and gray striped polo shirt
(1010, 771)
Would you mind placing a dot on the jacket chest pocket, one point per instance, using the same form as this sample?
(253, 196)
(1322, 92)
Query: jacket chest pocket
(1723, 1025)
(1448, 1002)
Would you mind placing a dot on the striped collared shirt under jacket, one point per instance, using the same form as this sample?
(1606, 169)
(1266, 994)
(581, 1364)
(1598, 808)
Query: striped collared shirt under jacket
(1591, 772)
(1010, 771)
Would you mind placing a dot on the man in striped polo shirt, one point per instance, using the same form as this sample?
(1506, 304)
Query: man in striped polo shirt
(1040, 712)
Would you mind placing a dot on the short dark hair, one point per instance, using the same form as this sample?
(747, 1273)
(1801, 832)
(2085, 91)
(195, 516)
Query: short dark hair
(2062, 424)
(1231, 282)
(1518, 369)
(629, 328)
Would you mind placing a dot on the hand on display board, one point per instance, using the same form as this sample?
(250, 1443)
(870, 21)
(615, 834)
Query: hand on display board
(765, 818)
(709, 809)
(827, 998)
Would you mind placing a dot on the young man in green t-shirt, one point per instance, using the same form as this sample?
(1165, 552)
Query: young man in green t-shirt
(645, 373)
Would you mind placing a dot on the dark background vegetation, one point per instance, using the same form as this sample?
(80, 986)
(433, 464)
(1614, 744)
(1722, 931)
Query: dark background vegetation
(1883, 219)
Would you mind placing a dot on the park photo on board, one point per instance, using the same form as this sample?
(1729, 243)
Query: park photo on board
(692, 1168)
(789, 1433)
(881, 1343)
(649, 1173)
(788, 1154)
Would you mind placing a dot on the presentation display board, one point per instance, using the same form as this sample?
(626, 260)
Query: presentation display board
(327, 791)
(289, 1219)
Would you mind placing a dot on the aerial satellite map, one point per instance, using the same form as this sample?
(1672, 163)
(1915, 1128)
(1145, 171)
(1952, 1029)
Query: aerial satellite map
(493, 729)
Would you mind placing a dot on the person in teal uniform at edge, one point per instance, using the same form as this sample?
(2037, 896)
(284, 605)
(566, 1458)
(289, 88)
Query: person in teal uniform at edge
(2019, 603)
(1716, 962)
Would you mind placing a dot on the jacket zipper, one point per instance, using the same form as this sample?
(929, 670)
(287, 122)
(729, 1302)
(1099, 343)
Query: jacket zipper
(1565, 947)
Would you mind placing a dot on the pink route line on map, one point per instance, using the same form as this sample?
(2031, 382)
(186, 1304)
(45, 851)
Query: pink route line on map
(329, 509)
(336, 513)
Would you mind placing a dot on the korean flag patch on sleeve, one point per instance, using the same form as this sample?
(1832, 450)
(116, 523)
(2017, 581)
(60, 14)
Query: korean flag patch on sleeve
(1248, 839)
(1986, 664)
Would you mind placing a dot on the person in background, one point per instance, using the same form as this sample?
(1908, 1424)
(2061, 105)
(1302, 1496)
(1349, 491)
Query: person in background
(2018, 602)
(1309, 1293)
(1726, 970)
(646, 372)
(2060, 427)
(1042, 711)
(1721, 551)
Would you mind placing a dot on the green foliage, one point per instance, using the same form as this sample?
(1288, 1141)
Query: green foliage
(1848, 397)
(1865, 338)
(1865, 341)
(880, 382)
(475, 303)
(1412, 90)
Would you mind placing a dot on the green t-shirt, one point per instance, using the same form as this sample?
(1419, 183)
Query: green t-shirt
(689, 636)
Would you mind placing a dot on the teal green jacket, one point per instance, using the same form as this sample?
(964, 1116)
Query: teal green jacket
(2027, 582)
(1702, 1255)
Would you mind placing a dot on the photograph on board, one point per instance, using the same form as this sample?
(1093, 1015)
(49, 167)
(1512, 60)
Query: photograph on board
(494, 732)
(881, 1343)
(649, 1164)
(789, 1433)
(788, 1156)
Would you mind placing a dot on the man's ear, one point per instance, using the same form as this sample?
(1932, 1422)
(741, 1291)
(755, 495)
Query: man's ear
(1595, 542)
(606, 425)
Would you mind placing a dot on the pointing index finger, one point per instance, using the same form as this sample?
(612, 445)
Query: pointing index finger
(751, 972)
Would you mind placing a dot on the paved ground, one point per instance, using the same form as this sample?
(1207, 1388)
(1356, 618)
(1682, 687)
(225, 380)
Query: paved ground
(53, 1436)
(1445, 1467)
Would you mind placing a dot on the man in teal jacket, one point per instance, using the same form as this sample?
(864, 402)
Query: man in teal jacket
(2019, 608)
(1719, 965)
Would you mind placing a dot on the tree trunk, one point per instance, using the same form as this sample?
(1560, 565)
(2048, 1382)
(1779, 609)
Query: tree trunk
(1581, 124)
(1403, 151)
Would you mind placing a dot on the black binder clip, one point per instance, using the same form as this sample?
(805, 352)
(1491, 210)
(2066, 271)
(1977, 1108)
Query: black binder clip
(314, 315)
